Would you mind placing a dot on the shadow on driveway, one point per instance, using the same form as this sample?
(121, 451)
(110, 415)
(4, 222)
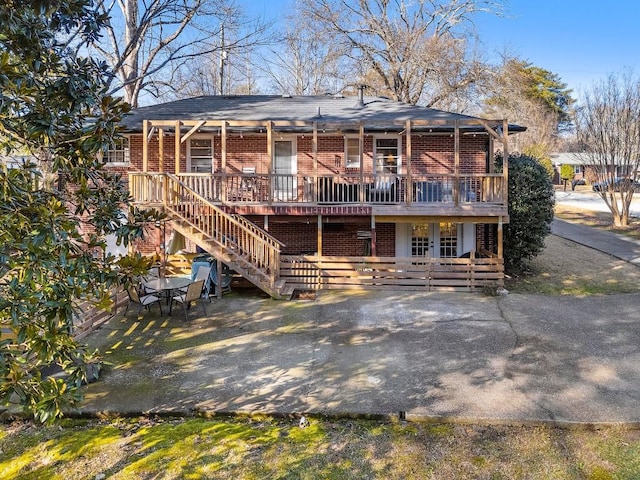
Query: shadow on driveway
(432, 355)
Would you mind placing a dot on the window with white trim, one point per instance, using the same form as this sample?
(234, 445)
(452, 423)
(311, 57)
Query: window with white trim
(448, 240)
(200, 154)
(387, 150)
(118, 152)
(420, 239)
(352, 152)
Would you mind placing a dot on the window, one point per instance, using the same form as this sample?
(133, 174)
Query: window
(387, 155)
(200, 155)
(352, 152)
(118, 152)
(577, 169)
(448, 240)
(420, 240)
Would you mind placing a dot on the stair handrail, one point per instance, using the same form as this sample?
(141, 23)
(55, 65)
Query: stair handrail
(234, 233)
(236, 219)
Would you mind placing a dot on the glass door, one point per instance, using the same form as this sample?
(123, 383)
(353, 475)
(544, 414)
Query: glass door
(422, 237)
(428, 240)
(285, 169)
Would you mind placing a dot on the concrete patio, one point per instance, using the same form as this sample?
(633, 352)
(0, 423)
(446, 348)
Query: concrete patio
(518, 358)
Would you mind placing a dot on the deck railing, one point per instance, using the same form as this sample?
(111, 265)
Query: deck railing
(359, 189)
(317, 273)
(234, 233)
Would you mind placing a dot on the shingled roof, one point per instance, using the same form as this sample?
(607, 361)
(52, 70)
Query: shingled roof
(375, 112)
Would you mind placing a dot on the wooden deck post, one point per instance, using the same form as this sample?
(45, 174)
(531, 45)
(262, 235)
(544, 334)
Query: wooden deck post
(314, 147)
(270, 160)
(219, 278)
(161, 150)
(500, 238)
(409, 189)
(361, 158)
(374, 248)
(223, 160)
(505, 162)
(177, 147)
(456, 166)
(145, 146)
(319, 235)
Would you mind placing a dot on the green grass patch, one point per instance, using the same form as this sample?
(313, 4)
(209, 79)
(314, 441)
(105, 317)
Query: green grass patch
(263, 447)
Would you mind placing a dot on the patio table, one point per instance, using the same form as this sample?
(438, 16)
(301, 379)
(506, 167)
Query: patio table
(165, 285)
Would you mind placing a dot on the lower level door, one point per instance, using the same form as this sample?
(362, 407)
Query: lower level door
(430, 240)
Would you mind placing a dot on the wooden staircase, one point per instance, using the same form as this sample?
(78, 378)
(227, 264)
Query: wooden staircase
(232, 239)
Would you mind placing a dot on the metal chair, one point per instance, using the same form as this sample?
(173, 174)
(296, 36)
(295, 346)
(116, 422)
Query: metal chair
(202, 273)
(146, 300)
(193, 294)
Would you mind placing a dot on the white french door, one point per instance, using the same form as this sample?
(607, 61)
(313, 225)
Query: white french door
(429, 240)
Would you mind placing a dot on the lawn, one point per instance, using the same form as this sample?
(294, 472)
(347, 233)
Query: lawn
(601, 220)
(566, 268)
(277, 448)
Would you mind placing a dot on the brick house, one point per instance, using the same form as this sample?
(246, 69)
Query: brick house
(326, 191)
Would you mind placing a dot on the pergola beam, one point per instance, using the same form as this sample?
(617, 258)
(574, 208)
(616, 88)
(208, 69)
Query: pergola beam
(193, 130)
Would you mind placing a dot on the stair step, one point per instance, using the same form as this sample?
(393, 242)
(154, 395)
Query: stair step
(241, 261)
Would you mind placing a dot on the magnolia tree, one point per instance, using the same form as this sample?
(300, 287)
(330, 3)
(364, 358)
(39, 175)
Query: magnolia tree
(608, 132)
(57, 207)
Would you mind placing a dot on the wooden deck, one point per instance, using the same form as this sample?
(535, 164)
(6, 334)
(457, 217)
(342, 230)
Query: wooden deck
(252, 252)
(473, 195)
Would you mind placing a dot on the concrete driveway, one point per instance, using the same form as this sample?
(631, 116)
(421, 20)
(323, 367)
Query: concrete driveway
(517, 358)
(589, 200)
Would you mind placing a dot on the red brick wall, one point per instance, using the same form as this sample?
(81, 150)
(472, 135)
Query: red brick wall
(487, 237)
(385, 239)
(338, 238)
(431, 154)
(435, 154)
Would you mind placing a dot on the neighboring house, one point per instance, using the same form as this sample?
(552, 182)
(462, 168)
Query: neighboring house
(579, 169)
(590, 170)
(325, 191)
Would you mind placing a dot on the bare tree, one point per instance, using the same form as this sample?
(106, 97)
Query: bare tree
(608, 129)
(404, 49)
(148, 40)
(303, 62)
(227, 70)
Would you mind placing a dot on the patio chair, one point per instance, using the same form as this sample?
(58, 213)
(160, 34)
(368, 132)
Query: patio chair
(153, 273)
(193, 294)
(201, 271)
(143, 301)
(246, 188)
